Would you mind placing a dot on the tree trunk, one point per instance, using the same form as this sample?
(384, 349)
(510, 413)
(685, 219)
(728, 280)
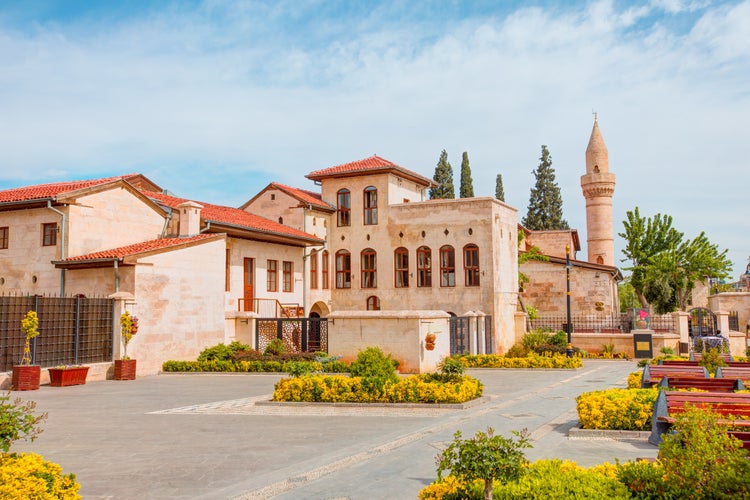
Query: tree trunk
(642, 299)
(488, 489)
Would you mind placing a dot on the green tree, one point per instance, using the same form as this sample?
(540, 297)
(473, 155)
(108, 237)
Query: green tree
(444, 179)
(499, 191)
(485, 456)
(467, 185)
(545, 203)
(665, 265)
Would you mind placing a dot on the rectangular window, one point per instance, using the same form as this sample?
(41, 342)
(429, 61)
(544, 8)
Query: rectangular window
(324, 269)
(344, 207)
(471, 265)
(314, 270)
(272, 276)
(49, 235)
(401, 256)
(371, 206)
(226, 270)
(369, 269)
(343, 269)
(288, 276)
(424, 267)
(447, 266)
(4, 237)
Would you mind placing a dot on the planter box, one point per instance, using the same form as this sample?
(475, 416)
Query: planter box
(61, 377)
(26, 377)
(124, 369)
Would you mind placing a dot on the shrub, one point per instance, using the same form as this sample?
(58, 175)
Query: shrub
(560, 338)
(335, 367)
(17, 421)
(533, 360)
(535, 338)
(550, 349)
(375, 368)
(299, 368)
(562, 480)
(711, 360)
(28, 475)
(275, 347)
(486, 457)
(635, 380)
(517, 351)
(623, 409)
(222, 352)
(451, 366)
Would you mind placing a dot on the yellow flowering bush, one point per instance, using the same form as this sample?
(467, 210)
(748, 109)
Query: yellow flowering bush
(533, 360)
(28, 475)
(623, 409)
(30, 328)
(449, 485)
(635, 380)
(413, 389)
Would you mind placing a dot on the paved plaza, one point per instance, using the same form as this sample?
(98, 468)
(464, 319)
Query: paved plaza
(203, 436)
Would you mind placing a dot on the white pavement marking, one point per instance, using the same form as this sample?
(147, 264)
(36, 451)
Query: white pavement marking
(465, 415)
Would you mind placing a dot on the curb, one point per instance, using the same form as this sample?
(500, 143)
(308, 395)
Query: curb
(449, 406)
(615, 435)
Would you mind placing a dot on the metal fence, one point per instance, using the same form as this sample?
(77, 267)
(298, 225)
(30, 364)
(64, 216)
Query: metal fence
(298, 334)
(460, 330)
(72, 330)
(602, 324)
(734, 321)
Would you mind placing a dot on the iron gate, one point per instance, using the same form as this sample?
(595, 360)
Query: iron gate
(298, 334)
(460, 330)
(702, 322)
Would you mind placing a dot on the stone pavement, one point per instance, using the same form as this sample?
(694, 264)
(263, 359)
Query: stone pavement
(202, 435)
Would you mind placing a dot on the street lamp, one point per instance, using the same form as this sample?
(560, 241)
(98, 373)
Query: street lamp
(569, 327)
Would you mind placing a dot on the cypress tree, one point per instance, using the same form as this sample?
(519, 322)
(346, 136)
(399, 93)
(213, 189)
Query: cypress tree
(444, 179)
(545, 202)
(467, 185)
(499, 191)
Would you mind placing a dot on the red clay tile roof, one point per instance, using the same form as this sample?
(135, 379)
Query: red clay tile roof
(146, 246)
(303, 195)
(235, 217)
(44, 191)
(373, 164)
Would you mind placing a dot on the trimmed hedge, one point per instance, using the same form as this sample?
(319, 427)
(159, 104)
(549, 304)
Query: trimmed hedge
(531, 361)
(426, 388)
(248, 366)
(28, 475)
(622, 409)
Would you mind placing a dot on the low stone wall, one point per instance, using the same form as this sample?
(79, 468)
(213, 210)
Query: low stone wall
(399, 333)
(623, 342)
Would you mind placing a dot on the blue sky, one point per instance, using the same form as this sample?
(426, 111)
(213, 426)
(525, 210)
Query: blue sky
(214, 99)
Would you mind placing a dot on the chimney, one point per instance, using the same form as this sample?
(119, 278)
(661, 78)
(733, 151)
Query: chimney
(190, 218)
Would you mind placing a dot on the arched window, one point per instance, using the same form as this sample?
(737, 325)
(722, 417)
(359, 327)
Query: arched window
(599, 260)
(424, 267)
(314, 269)
(447, 266)
(369, 268)
(344, 207)
(373, 303)
(324, 269)
(343, 269)
(471, 265)
(401, 266)
(370, 205)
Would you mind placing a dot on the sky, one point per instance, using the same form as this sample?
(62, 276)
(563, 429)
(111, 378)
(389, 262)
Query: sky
(215, 99)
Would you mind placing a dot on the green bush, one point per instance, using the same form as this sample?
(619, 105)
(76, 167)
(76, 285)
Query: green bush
(561, 480)
(560, 338)
(711, 360)
(275, 347)
(518, 351)
(375, 368)
(222, 352)
(299, 368)
(335, 366)
(550, 348)
(17, 421)
(451, 366)
(535, 337)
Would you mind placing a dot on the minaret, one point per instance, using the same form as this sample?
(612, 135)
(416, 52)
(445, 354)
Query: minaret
(598, 186)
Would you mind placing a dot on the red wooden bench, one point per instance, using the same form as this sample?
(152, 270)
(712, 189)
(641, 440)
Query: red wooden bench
(732, 371)
(704, 384)
(652, 374)
(670, 403)
(742, 436)
(678, 362)
(696, 356)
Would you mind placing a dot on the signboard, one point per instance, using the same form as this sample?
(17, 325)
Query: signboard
(643, 345)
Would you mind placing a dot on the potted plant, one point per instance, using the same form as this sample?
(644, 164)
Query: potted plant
(125, 367)
(61, 376)
(26, 376)
(429, 341)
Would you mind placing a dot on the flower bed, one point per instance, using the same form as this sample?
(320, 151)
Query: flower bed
(426, 388)
(28, 475)
(621, 409)
(531, 361)
(217, 365)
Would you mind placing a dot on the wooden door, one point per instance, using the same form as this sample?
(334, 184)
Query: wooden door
(248, 280)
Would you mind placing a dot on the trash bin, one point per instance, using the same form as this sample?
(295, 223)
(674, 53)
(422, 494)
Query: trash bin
(643, 345)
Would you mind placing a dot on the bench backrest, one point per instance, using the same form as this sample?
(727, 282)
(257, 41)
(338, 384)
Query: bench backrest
(652, 374)
(697, 356)
(733, 372)
(708, 384)
(719, 402)
(678, 362)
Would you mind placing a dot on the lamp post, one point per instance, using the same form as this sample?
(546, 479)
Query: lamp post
(569, 327)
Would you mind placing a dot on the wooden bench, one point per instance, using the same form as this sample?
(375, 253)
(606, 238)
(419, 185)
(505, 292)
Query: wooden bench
(743, 436)
(678, 362)
(652, 374)
(670, 403)
(732, 371)
(704, 384)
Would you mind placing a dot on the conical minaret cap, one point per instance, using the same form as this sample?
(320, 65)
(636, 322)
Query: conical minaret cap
(597, 156)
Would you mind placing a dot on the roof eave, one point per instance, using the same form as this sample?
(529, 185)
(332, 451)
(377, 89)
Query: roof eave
(269, 235)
